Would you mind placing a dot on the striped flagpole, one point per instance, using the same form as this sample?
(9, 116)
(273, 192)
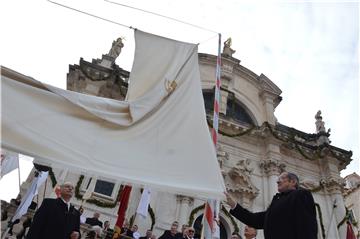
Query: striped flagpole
(217, 95)
(211, 229)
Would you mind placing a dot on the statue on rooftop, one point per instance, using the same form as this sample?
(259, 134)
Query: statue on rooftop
(320, 125)
(116, 48)
(320, 129)
(227, 50)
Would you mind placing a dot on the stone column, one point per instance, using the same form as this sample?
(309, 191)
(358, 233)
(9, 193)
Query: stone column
(334, 187)
(184, 203)
(272, 169)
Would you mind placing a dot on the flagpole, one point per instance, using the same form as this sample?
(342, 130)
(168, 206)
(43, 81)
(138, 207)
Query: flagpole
(210, 212)
(19, 174)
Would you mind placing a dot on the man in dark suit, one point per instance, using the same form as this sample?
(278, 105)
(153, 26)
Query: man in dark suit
(291, 214)
(94, 221)
(56, 218)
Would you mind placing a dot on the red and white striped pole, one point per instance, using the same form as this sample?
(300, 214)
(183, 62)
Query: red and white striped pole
(217, 96)
(211, 229)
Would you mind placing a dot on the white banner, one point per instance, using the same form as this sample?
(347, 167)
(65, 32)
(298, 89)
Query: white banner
(31, 192)
(9, 161)
(144, 203)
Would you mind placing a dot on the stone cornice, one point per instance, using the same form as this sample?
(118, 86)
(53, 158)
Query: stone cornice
(290, 138)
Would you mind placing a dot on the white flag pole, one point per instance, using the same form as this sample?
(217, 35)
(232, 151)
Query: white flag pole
(19, 174)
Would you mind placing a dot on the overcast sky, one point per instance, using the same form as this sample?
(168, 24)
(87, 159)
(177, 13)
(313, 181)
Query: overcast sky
(310, 50)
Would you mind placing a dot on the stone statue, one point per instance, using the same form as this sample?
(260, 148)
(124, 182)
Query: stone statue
(227, 50)
(116, 48)
(320, 125)
(320, 129)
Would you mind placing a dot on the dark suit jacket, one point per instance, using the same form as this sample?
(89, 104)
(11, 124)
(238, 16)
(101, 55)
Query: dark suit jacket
(291, 215)
(53, 220)
(167, 235)
(92, 221)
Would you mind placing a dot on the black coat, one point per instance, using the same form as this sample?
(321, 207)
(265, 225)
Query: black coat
(54, 220)
(167, 235)
(92, 221)
(291, 215)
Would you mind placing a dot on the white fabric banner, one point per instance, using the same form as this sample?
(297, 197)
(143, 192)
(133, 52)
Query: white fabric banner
(144, 203)
(30, 193)
(9, 162)
(158, 137)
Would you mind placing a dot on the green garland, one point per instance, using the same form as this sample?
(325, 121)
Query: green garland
(96, 202)
(202, 207)
(152, 215)
(346, 218)
(193, 212)
(52, 177)
(231, 218)
(317, 206)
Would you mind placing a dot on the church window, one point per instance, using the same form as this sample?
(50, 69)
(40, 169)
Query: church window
(209, 101)
(236, 111)
(104, 187)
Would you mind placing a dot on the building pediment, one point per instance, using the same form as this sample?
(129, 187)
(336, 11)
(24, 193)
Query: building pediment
(268, 86)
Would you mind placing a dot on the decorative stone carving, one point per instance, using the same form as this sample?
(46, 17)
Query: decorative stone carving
(185, 200)
(333, 185)
(223, 101)
(238, 180)
(309, 184)
(111, 89)
(222, 156)
(227, 50)
(272, 167)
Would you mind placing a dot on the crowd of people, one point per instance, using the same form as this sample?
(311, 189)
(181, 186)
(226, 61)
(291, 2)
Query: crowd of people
(291, 215)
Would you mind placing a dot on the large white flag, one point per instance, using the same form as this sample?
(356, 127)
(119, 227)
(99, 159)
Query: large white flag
(9, 161)
(144, 202)
(154, 130)
(31, 192)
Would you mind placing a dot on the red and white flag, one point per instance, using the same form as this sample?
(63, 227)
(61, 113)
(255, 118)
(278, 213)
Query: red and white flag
(350, 232)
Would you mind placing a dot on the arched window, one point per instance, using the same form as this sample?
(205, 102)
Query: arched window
(236, 111)
(234, 108)
(209, 100)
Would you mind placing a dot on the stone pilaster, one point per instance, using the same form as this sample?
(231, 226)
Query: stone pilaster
(272, 169)
(184, 204)
(334, 187)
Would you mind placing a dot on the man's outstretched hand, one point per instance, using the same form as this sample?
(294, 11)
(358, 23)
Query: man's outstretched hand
(230, 200)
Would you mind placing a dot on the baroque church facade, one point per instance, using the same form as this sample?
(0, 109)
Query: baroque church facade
(253, 149)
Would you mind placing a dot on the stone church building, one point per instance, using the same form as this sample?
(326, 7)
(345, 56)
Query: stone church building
(253, 149)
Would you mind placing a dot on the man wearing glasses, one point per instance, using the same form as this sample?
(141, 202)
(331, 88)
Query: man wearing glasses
(291, 214)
